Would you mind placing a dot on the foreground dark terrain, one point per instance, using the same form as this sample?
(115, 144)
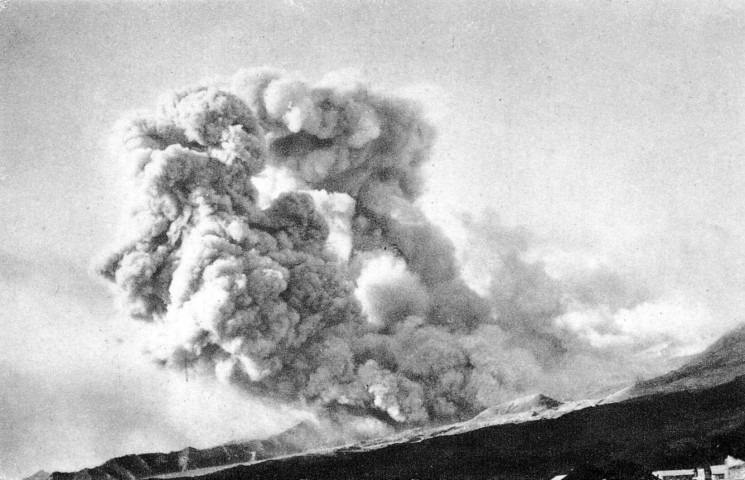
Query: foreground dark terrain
(693, 416)
(661, 431)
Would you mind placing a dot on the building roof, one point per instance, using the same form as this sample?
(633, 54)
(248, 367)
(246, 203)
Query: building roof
(673, 473)
(715, 470)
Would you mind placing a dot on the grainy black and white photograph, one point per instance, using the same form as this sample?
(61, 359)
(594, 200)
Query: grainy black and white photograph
(372, 239)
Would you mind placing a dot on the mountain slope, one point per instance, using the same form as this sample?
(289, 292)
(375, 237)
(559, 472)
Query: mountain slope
(532, 404)
(130, 467)
(693, 414)
(659, 431)
(720, 363)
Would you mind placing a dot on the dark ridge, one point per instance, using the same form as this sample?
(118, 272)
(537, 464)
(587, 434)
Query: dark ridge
(663, 431)
(721, 362)
(133, 467)
(684, 421)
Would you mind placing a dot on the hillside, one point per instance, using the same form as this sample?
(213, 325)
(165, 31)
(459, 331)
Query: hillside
(660, 431)
(147, 465)
(693, 414)
(723, 361)
(532, 404)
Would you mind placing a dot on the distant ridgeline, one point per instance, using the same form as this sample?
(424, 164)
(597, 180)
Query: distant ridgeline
(662, 431)
(694, 416)
(147, 465)
(721, 362)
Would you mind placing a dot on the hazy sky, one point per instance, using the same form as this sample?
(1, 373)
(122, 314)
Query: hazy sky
(613, 130)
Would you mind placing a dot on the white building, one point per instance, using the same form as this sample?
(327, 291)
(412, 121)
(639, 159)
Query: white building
(685, 474)
(718, 472)
(735, 469)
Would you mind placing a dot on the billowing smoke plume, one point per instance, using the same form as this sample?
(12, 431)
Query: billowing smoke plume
(276, 244)
(566, 322)
(324, 283)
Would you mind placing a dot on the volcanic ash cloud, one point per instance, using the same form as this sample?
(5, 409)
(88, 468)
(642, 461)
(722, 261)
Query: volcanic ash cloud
(262, 214)
(274, 243)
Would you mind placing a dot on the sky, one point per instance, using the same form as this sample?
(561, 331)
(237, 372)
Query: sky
(611, 131)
